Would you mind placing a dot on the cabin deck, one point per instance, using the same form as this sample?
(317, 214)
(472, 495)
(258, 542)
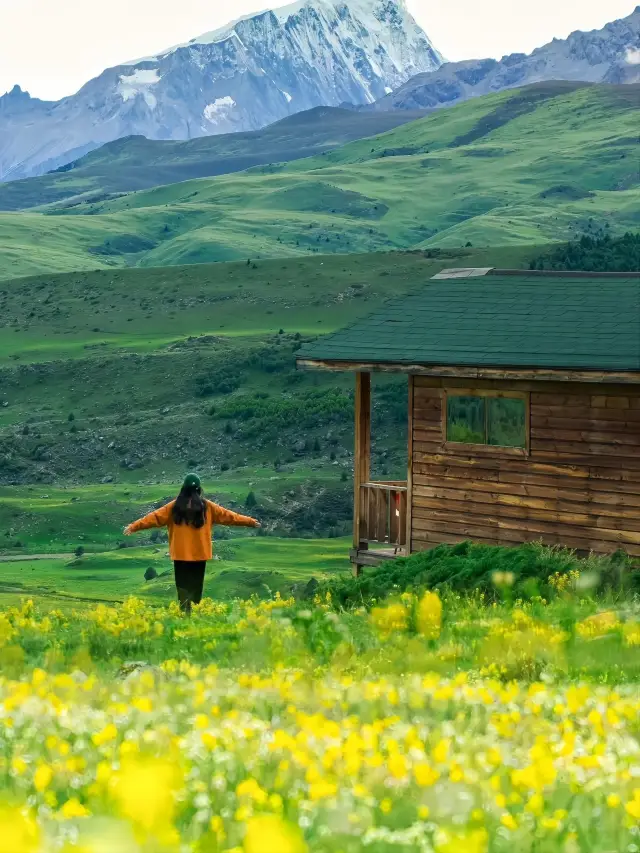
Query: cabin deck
(380, 524)
(374, 556)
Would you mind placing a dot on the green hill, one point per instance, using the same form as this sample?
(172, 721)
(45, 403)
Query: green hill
(126, 377)
(533, 166)
(136, 163)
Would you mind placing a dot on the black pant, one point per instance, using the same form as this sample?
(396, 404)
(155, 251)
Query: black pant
(189, 582)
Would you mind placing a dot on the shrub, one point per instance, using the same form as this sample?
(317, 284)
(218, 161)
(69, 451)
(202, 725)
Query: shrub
(597, 254)
(223, 382)
(79, 551)
(150, 574)
(251, 500)
(466, 566)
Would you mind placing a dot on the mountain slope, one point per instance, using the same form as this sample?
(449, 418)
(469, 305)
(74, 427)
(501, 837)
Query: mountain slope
(609, 55)
(136, 163)
(243, 77)
(481, 172)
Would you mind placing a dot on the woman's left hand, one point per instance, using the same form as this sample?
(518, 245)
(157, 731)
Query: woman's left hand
(128, 531)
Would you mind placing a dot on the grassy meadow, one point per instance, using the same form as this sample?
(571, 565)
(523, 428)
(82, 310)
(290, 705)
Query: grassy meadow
(453, 724)
(122, 379)
(467, 700)
(481, 172)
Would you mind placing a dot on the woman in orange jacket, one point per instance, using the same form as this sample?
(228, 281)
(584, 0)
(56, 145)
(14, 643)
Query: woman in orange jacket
(189, 520)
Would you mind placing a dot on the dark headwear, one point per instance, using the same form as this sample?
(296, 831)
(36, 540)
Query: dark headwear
(192, 481)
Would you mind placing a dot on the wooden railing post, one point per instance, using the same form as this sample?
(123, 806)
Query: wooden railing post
(409, 507)
(362, 452)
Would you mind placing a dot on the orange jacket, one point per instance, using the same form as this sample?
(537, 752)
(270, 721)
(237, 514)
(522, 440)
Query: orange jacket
(186, 542)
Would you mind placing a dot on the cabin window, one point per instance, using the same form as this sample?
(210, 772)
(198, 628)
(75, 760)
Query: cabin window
(493, 419)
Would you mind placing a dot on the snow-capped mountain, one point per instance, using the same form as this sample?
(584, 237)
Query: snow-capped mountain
(609, 55)
(247, 75)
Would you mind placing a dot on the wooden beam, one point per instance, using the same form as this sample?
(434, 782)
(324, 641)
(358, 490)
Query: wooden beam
(410, 466)
(562, 273)
(370, 558)
(448, 371)
(362, 453)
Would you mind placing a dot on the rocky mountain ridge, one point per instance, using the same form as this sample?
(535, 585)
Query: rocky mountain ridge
(243, 77)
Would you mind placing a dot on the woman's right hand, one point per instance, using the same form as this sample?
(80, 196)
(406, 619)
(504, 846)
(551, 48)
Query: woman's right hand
(128, 531)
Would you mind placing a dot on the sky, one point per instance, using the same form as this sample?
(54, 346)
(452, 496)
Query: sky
(52, 47)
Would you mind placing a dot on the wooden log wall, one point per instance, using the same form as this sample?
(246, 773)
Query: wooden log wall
(578, 486)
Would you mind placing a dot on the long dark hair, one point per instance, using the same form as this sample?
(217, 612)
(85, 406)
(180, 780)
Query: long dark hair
(190, 507)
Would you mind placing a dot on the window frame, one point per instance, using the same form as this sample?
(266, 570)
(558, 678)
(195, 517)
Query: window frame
(490, 449)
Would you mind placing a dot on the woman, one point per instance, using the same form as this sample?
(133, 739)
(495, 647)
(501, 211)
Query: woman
(190, 519)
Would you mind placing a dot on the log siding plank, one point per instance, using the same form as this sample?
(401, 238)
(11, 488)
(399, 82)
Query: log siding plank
(580, 485)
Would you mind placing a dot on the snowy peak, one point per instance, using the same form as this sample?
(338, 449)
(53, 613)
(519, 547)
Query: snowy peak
(373, 14)
(246, 75)
(609, 55)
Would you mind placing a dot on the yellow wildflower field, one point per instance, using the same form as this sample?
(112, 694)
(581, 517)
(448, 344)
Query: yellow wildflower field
(426, 725)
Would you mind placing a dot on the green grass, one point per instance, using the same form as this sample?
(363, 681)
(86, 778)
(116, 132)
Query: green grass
(49, 519)
(482, 172)
(90, 314)
(244, 566)
(136, 357)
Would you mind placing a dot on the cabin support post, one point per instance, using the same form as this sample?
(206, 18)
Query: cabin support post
(362, 456)
(410, 467)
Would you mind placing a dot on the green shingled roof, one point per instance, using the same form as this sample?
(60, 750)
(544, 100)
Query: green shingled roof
(527, 320)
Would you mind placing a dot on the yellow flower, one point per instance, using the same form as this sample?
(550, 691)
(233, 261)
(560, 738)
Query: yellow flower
(73, 808)
(597, 625)
(535, 805)
(508, 820)
(613, 801)
(633, 806)
(109, 733)
(386, 805)
(251, 790)
(441, 751)
(425, 775)
(322, 790)
(270, 834)
(42, 777)
(397, 766)
(144, 791)
(19, 765)
(475, 841)
(423, 812)
(18, 832)
(393, 617)
(429, 616)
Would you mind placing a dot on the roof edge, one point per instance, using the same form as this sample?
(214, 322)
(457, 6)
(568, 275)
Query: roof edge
(479, 272)
(564, 273)
(594, 375)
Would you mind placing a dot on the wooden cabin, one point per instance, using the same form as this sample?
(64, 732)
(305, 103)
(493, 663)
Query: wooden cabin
(524, 412)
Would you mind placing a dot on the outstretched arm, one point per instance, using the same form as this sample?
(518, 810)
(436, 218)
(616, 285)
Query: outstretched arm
(231, 519)
(157, 518)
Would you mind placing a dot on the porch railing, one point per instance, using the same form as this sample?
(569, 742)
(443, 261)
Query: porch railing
(383, 514)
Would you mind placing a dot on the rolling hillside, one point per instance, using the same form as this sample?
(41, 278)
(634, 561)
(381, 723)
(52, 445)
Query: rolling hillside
(136, 163)
(131, 376)
(534, 166)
